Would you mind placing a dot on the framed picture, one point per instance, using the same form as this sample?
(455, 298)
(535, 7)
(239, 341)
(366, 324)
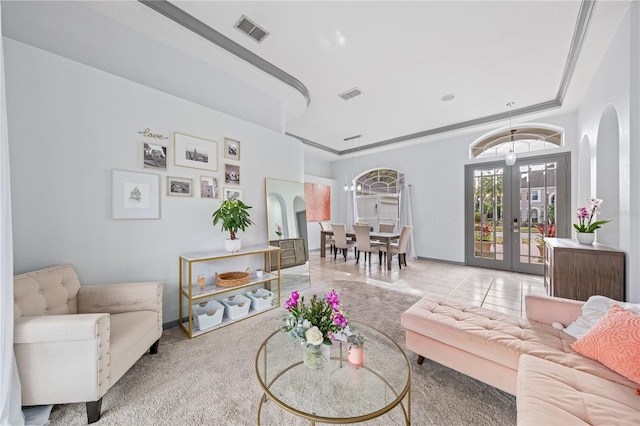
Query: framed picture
(209, 187)
(198, 153)
(154, 156)
(135, 195)
(231, 149)
(232, 174)
(318, 201)
(179, 187)
(232, 194)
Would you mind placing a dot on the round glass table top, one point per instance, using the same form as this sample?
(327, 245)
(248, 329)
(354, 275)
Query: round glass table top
(339, 392)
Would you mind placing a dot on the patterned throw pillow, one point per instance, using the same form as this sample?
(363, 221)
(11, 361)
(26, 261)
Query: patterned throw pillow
(615, 342)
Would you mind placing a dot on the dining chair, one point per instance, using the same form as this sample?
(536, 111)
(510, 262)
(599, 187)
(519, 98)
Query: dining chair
(365, 224)
(399, 248)
(341, 242)
(326, 226)
(364, 243)
(386, 227)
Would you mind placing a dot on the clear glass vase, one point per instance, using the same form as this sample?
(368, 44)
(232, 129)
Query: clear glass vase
(316, 356)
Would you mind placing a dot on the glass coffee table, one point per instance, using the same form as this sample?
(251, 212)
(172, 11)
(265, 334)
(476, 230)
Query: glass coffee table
(339, 392)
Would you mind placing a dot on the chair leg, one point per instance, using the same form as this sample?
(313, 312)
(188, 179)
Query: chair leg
(335, 253)
(344, 253)
(93, 411)
(404, 258)
(154, 348)
(400, 260)
(358, 257)
(379, 258)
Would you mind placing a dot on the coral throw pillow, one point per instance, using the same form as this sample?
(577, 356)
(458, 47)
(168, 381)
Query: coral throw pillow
(615, 342)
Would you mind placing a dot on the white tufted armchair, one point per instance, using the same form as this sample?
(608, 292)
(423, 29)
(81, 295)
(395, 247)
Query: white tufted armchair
(73, 342)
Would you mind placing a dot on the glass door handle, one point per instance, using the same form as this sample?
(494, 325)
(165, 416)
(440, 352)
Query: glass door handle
(516, 228)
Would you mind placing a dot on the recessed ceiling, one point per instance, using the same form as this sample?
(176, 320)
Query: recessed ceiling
(405, 56)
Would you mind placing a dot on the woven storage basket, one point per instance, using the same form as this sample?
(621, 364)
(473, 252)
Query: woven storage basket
(233, 279)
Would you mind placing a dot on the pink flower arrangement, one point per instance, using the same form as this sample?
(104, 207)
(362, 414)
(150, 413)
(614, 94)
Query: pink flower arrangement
(326, 314)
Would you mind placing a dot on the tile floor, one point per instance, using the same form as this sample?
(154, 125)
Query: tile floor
(498, 290)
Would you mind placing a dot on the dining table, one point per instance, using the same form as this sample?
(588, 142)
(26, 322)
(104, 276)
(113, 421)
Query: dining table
(383, 237)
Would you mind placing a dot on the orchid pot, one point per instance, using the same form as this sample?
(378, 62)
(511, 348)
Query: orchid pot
(586, 238)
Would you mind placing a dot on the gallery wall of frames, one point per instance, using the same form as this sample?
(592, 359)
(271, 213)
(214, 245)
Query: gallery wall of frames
(138, 194)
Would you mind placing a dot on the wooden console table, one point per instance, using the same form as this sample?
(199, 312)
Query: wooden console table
(292, 252)
(578, 271)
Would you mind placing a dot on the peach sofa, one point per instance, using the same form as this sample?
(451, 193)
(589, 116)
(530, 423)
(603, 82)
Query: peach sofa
(526, 357)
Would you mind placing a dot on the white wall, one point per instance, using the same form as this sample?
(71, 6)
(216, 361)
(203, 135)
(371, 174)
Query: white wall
(633, 265)
(615, 88)
(315, 166)
(436, 172)
(70, 125)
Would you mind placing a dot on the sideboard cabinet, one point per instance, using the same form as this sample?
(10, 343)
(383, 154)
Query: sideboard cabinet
(578, 271)
(292, 252)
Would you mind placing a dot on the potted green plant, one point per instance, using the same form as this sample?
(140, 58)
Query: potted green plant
(233, 216)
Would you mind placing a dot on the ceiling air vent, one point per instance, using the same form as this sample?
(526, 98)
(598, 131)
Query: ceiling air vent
(351, 93)
(250, 28)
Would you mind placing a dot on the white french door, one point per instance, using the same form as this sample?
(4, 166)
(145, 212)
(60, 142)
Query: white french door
(509, 209)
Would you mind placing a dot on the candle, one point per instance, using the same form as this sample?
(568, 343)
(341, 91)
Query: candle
(201, 281)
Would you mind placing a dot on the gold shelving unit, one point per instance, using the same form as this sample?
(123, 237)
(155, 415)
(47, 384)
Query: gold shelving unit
(190, 292)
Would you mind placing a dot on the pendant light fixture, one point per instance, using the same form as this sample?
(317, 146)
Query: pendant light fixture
(359, 186)
(346, 173)
(352, 187)
(510, 158)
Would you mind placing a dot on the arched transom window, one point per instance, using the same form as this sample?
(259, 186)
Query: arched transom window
(380, 181)
(377, 197)
(526, 138)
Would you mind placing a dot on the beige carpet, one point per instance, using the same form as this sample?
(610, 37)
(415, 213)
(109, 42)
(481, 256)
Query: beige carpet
(210, 380)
